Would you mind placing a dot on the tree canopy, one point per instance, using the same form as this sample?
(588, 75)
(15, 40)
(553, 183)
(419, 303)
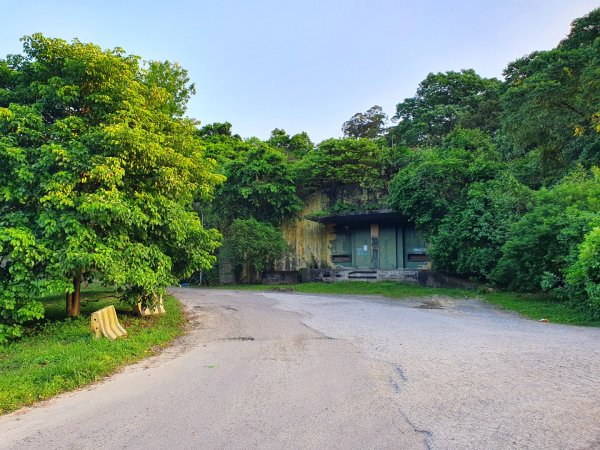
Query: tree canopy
(370, 124)
(101, 173)
(254, 244)
(444, 101)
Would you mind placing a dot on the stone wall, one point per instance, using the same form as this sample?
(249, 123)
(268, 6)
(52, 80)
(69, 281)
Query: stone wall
(310, 242)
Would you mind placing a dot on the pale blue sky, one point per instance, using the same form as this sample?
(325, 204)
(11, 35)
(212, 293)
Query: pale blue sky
(303, 65)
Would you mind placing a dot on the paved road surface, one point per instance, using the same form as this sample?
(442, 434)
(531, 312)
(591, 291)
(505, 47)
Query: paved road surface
(281, 370)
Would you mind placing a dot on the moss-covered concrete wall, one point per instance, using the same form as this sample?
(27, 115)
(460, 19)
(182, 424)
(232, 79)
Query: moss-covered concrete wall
(310, 242)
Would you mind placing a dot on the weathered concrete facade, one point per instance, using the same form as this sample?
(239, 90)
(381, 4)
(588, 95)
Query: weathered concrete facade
(365, 245)
(310, 242)
(380, 240)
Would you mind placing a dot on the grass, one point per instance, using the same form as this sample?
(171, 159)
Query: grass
(532, 306)
(61, 354)
(540, 306)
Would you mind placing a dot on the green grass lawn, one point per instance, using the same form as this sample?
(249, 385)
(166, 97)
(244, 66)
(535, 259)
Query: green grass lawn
(61, 354)
(532, 306)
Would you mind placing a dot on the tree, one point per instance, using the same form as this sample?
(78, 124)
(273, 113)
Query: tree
(470, 237)
(170, 81)
(295, 146)
(444, 101)
(216, 130)
(370, 124)
(435, 180)
(102, 171)
(254, 244)
(544, 242)
(550, 105)
(220, 144)
(341, 162)
(259, 185)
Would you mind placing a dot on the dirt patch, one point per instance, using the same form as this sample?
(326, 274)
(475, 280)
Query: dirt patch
(229, 308)
(430, 304)
(281, 289)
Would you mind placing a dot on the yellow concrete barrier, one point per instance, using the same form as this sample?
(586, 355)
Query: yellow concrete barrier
(156, 310)
(105, 322)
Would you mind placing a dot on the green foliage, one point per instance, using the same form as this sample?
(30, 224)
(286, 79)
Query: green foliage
(545, 242)
(473, 140)
(584, 31)
(221, 145)
(583, 276)
(101, 171)
(337, 162)
(550, 103)
(259, 184)
(370, 124)
(255, 244)
(444, 101)
(434, 180)
(295, 147)
(170, 83)
(20, 258)
(469, 239)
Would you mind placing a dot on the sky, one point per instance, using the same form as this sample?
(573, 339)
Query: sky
(302, 65)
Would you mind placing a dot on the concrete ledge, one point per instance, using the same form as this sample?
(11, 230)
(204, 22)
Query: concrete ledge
(280, 277)
(333, 275)
(422, 277)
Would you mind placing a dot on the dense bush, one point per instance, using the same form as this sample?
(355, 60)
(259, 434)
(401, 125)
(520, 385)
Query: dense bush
(469, 239)
(436, 179)
(256, 245)
(259, 184)
(545, 242)
(583, 277)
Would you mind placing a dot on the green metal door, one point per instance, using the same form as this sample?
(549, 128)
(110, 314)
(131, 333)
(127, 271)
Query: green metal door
(400, 246)
(341, 248)
(362, 247)
(387, 247)
(414, 249)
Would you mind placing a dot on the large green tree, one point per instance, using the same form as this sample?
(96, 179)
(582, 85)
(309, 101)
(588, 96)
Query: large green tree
(543, 243)
(260, 185)
(434, 181)
(444, 101)
(550, 106)
(255, 245)
(469, 239)
(295, 146)
(369, 124)
(101, 172)
(341, 162)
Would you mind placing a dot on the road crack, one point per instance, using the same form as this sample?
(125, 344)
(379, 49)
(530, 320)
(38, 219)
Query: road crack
(397, 379)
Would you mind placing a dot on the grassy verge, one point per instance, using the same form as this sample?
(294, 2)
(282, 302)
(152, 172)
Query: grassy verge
(532, 306)
(62, 354)
(539, 306)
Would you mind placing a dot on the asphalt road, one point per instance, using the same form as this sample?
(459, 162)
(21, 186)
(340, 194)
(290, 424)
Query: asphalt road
(280, 370)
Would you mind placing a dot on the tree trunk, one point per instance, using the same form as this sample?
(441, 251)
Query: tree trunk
(69, 299)
(74, 299)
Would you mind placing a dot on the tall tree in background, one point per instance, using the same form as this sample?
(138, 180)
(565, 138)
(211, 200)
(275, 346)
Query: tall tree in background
(550, 106)
(295, 146)
(444, 101)
(101, 171)
(370, 124)
(260, 185)
(341, 162)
